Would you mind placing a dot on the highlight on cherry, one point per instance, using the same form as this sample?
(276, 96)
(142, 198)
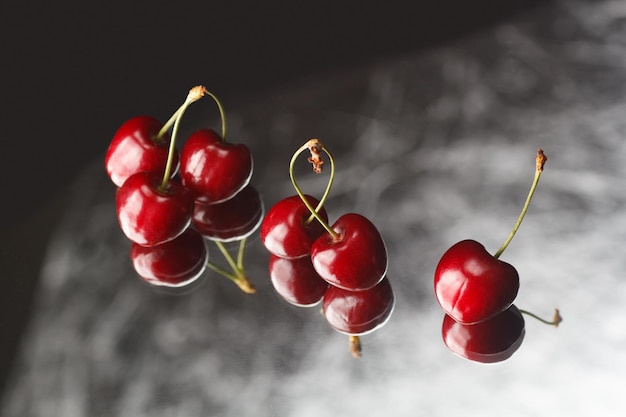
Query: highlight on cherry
(173, 204)
(341, 266)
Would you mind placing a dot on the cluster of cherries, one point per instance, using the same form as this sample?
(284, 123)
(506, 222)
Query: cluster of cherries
(170, 204)
(477, 290)
(343, 266)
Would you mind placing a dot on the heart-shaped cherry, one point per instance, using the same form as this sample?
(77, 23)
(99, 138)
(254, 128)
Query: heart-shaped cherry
(356, 259)
(213, 169)
(151, 213)
(296, 280)
(471, 285)
(492, 340)
(286, 230)
(233, 219)
(175, 263)
(138, 146)
(358, 312)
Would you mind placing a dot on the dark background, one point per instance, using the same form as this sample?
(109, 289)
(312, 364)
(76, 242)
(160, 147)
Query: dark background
(72, 72)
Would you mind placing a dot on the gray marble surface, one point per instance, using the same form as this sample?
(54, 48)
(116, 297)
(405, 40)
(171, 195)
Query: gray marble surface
(433, 148)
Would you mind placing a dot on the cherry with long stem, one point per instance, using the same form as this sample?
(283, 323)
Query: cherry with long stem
(315, 147)
(540, 161)
(472, 295)
(238, 275)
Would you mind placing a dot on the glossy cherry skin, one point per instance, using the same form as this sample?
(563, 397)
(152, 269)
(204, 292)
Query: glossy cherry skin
(149, 215)
(296, 281)
(285, 231)
(233, 219)
(471, 285)
(214, 170)
(357, 260)
(492, 340)
(135, 147)
(358, 312)
(175, 263)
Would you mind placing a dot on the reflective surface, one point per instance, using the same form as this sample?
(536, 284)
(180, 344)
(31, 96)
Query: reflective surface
(433, 149)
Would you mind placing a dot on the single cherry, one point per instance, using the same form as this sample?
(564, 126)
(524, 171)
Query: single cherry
(358, 312)
(233, 219)
(138, 145)
(288, 230)
(471, 285)
(296, 281)
(175, 263)
(151, 213)
(492, 340)
(213, 169)
(355, 258)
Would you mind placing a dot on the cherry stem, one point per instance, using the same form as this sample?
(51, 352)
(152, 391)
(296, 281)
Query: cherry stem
(222, 113)
(242, 247)
(556, 319)
(238, 276)
(540, 161)
(315, 147)
(195, 94)
(355, 346)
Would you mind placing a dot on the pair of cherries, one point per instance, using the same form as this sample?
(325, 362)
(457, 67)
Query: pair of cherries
(343, 266)
(477, 290)
(169, 203)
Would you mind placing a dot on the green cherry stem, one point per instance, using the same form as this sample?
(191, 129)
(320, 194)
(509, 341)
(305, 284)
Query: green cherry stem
(316, 148)
(242, 247)
(540, 161)
(222, 113)
(195, 94)
(238, 276)
(556, 319)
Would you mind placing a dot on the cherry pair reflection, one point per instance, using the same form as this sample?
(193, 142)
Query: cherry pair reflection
(343, 266)
(476, 291)
(169, 203)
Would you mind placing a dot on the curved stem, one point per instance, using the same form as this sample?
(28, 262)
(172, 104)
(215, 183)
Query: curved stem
(222, 113)
(556, 319)
(194, 94)
(315, 147)
(540, 162)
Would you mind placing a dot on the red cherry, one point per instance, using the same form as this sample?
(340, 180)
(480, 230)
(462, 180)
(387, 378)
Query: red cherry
(358, 312)
(233, 219)
(296, 280)
(471, 285)
(172, 264)
(489, 341)
(284, 230)
(357, 260)
(214, 170)
(136, 147)
(150, 215)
